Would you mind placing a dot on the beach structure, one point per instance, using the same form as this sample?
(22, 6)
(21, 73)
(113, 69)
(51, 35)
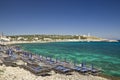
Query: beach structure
(9, 61)
(62, 69)
(3, 38)
(57, 65)
(8, 57)
(1, 62)
(2, 53)
(50, 61)
(37, 69)
(86, 70)
(27, 57)
(82, 68)
(16, 49)
(93, 70)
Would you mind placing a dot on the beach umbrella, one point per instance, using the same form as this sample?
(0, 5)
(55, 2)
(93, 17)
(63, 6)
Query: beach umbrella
(10, 52)
(82, 64)
(50, 58)
(65, 59)
(24, 54)
(30, 55)
(75, 62)
(92, 66)
(7, 52)
(56, 60)
(41, 56)
(46, 57)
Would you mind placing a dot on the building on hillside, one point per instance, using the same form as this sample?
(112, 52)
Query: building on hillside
(3, 38)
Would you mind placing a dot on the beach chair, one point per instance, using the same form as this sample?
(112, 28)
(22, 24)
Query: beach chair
(93, 70)
(1, 62)
(36, 69)
(77, 68)
(84, 69)
(81, 69)
(41, 58)
(50, 61)
(9, 61)
(63, 70)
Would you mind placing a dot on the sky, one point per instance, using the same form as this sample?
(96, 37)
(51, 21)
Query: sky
(75, 17)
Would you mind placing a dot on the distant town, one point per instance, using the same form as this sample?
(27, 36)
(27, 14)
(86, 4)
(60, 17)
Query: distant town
(49, 38)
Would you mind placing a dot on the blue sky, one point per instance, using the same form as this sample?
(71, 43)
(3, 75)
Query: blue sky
(99, 17)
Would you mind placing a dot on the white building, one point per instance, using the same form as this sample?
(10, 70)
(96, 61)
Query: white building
(4, 38)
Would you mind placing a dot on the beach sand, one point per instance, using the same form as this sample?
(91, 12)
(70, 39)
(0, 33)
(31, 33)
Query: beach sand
(17, 73)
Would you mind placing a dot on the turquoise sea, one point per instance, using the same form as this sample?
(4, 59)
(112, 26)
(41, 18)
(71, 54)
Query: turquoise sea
(105, 55)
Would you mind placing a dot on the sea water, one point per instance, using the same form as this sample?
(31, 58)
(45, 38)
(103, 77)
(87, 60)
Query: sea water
(105, 55)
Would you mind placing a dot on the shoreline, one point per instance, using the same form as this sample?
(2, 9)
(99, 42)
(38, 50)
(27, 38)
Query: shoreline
(74, 40)
(101, 75)
(9, 72)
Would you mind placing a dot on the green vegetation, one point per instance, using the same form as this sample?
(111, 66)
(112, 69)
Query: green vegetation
(48, 37)
(41, 37)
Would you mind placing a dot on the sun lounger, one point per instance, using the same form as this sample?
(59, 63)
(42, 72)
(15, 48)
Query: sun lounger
(77, 68)
(9, 61)
(84, 69)
(36, 69)
(62, 69)
(1, 62)
(81, 69)
(94, 71)
(50, 61)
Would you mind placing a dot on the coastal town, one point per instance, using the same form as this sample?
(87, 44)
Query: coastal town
(36, 38)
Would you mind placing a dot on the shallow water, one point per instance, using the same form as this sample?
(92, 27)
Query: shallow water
(104, 55)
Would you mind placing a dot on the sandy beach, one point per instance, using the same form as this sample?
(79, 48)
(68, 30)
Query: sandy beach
(16, 73)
